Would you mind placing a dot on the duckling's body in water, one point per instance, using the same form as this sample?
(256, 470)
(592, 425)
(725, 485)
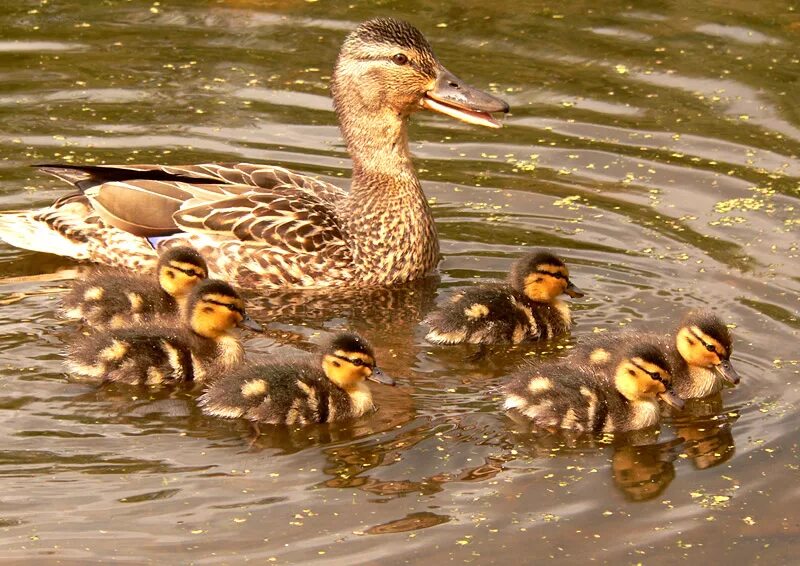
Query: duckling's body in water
(114, 297)
(264, 226)
(576, 397)
(698, 352)
(527, 308)
(165, 354)
(329, 388)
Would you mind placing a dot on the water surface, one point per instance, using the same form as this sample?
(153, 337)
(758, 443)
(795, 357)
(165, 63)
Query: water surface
(654, 145)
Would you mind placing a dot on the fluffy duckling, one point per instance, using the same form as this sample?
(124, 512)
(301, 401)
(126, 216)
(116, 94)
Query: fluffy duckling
(575, 397)
(113, 298)
(166, 354)
(525, 308)
(328, 388)
(698, 351)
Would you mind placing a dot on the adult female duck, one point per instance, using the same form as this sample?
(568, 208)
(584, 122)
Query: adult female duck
(263, 226)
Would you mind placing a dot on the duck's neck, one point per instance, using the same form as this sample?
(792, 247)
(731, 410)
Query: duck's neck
(387, 218)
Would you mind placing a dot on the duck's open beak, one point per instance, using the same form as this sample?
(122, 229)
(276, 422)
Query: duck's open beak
(671, 399)
(573, 291)
(452, 96)
(250, 324)
(725, 369)
(379, 377)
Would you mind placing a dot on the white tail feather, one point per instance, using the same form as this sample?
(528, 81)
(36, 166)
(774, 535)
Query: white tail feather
(21, 230)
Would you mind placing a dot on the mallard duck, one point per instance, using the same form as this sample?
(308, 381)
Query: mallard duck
(527, 308)
(264, 226)
(115, 297)
(328, 388)
(698, 351)
(576, 397)
(154, 354)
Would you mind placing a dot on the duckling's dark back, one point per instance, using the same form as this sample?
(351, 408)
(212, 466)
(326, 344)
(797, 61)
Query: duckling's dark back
(292, 392)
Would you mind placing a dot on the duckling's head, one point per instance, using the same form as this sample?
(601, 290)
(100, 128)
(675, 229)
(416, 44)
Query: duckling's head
(644, 374)
(348, 359)
(387, 68)
(180, 269)
(704, 341)
(214, 308)
(542, 277)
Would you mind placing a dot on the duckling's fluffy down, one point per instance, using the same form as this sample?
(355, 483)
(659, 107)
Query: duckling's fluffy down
(286, 392)
(110, 296)
(495, 313)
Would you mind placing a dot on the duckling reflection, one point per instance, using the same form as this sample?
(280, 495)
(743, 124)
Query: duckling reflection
(708, 441)
(642, 472)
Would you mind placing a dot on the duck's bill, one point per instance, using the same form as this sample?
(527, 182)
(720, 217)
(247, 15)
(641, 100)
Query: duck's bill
(573, 291)
(453, 97)
(379, 377)
(725, 369)
(250, 324)
(672, 400)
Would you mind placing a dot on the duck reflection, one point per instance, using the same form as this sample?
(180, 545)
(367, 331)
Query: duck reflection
(642, 472)
(706, 432)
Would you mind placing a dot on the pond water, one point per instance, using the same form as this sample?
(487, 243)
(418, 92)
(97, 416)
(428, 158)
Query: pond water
(654, 145)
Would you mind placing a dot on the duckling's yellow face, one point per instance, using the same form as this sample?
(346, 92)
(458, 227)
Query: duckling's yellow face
(638, 379)
(546, 282)
(177, 278)
(699, 349)
(214, 314)
(348, 369)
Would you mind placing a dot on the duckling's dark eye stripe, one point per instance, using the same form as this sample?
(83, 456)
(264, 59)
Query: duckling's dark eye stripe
(709, 347)
(552, 274)
(653, 374)
(189, 272)
(358, 362)
(234, 308)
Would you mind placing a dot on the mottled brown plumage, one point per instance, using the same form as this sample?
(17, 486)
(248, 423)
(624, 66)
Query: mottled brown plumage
(263, 226)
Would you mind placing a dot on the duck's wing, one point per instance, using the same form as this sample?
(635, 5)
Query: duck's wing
(143, 199)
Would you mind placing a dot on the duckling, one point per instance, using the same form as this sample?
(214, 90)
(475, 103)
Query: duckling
(330, 388)
(575, 397)
(525, 308)
(698, 351)
(161, 354)
(115, 297)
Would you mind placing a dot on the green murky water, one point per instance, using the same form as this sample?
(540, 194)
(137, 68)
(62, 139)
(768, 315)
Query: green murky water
(655, 145)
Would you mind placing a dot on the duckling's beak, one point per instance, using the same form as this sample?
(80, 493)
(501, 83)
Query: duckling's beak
(379, 377)
(573, 291)
(250, 324)
(452, 96)
(725, 369)
(671, 399)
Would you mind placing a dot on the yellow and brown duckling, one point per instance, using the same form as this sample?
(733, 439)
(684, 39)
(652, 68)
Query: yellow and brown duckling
(577, 397)
(527, 308)
(115, 297)
(698, 351)
(328, 388)
(162, 354)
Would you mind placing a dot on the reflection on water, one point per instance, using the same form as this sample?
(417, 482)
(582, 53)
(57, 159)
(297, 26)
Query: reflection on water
(653, 146)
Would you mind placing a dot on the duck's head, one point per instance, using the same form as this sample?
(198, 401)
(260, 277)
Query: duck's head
(214, 308)
(348, 359)
(704, 341)
(387, 65)
(542, 277)
(644, 374)
(180, 269)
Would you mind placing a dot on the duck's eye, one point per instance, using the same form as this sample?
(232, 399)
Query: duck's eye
(357, 362)
(399, 59)
(711, 348)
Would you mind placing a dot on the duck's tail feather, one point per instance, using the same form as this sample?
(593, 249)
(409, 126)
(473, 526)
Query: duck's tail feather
(24, 230)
